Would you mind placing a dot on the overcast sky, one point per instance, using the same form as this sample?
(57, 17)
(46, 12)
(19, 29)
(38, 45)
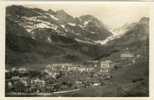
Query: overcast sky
(113, 16)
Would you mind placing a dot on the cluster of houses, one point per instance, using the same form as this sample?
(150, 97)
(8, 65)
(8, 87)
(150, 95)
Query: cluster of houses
(36, 84)
(132, 58)
(89, 66)
(68, 67)
(95, 67)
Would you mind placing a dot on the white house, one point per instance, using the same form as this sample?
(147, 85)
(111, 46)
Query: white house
(22, 70)
(106, 65)
(127, 54)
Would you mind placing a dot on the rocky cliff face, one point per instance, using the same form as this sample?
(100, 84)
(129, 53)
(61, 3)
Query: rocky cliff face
(135, 39)
(86, 27)
(35, 35)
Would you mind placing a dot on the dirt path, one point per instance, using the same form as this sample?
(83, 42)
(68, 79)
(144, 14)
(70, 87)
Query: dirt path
(60, 92)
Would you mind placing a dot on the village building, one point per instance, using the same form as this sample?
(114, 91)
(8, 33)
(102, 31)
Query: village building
(22, 70)
(24, 82)
(126, 54)
(15, 78)
(106, 66)
(68, 67)
(13, 69)
(138, 56)
(129, 57)
(96, 84)
(38, 82)
(7, 71)
(92, 63)
(103, 66)
(10, 85)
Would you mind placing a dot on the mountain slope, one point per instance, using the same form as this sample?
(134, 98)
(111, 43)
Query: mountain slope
(131, 76)
(37, 36)
(86, 27)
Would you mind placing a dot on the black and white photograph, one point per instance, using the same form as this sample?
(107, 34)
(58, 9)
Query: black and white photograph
(76, 50)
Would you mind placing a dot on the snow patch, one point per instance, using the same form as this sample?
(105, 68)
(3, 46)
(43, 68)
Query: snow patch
(42, 25)
(49, 40)
(30, 18)
(112, 37)
(63, 26)
(53, 17)
(86, 22)
(33, 37)
(28, 29)
(31, 23)
(119, 31)
(63, 34)
(53, 26)
(78, 34)
(92, 32)
(83, 41)
(72, 24)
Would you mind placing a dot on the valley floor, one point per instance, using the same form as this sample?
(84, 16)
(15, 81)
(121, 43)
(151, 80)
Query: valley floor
(127, 81)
